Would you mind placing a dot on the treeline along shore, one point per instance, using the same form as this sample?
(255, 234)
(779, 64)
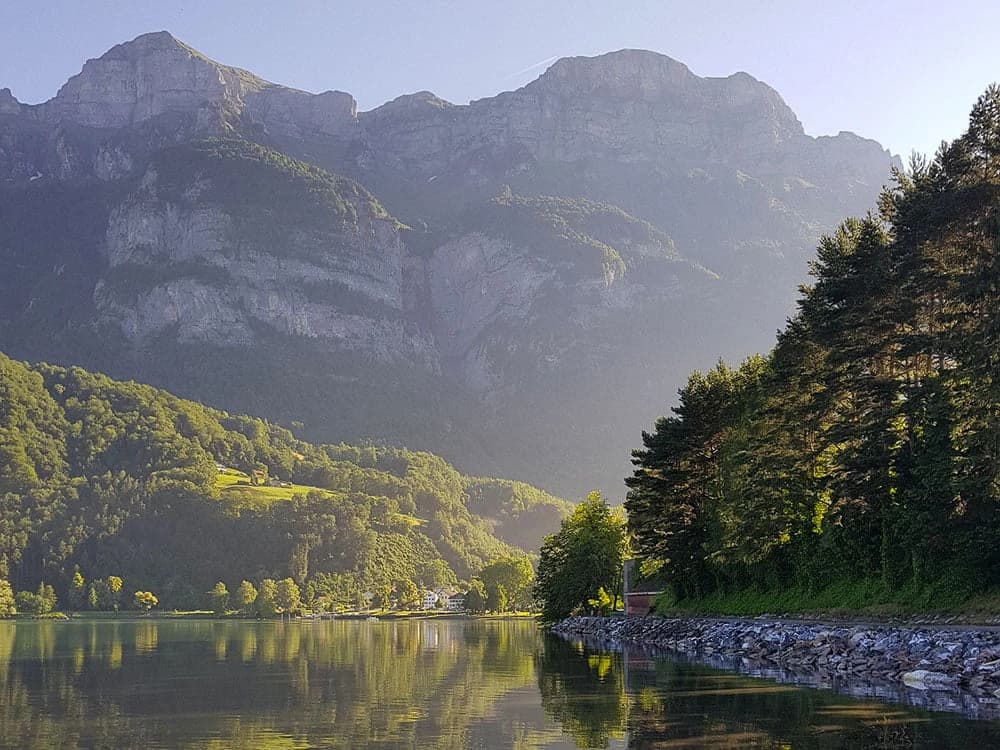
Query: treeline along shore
(855, 468)
(858, 464)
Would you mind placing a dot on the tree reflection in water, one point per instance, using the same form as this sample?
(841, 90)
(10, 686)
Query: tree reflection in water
(598, 697)
(190, 683)
(428, 684)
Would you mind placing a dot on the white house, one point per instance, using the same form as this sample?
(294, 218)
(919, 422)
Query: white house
(430, 599)
(456, 602)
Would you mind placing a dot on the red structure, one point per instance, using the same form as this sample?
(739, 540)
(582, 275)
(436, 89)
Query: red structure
(637, 603)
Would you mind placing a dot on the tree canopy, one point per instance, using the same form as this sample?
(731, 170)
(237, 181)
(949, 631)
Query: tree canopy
(583, 557)
(114, 480)
(866, 446)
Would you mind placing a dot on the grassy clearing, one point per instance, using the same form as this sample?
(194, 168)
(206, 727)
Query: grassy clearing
(235, 486)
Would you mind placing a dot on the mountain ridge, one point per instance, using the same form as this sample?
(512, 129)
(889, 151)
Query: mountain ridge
(643, 73)
(414, 271)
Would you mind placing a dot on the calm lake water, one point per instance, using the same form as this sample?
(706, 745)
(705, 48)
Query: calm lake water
(420, 684)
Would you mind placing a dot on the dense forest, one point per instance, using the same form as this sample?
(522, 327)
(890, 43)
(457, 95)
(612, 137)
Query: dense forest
(123, 480)
(862, 456)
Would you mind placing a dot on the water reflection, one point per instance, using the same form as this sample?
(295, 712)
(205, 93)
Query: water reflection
(437, 684)
(659, 703)
(161, 683)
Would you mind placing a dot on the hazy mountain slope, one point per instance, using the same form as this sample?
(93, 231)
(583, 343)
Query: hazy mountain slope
(510, 283)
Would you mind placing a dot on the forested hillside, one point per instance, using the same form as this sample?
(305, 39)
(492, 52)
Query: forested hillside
(862, 456)
(124, 479)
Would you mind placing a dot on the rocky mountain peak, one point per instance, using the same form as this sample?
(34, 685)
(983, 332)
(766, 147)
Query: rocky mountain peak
(663, 83)
(630, 72)
(148, 76)
(146, 44)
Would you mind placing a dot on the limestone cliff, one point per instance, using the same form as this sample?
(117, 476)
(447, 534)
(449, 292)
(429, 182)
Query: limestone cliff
(515, 282)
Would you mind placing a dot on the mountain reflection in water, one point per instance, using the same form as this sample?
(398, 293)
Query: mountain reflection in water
(167, 683)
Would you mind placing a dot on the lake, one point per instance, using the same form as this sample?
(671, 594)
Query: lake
(165, 683)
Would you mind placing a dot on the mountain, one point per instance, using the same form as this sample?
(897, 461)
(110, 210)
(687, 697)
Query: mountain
(124, 479)
(514, 283)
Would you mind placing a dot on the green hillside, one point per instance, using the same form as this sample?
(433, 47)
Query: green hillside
(124, 479)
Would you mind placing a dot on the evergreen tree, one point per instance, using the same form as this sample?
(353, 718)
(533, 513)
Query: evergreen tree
(867, 446)
(77, 590)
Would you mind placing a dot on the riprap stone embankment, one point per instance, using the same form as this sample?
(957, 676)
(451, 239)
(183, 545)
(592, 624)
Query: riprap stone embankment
(961, 664)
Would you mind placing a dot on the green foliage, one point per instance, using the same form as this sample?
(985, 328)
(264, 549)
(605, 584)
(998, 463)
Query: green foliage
(246, 595)
(111, 477)
(603, 602)
(106, 594)
(218, 598)
(42, 602)
(859, 463)
(144, 601)
(247, 177)
(407, 594)
(475, 597)
(267, 598)
(8, 606)
(584, 556)
(27, 603)
(99, 596)
(287, 597)
(496, 598)
(77, 590)
(586, 233)
(949, 592)
(508, 583)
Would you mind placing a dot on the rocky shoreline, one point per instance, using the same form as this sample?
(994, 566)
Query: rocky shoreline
(955, 669)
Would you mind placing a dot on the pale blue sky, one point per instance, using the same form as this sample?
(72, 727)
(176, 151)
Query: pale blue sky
(904, 73)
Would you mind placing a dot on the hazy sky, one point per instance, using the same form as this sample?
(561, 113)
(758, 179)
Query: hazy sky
(904, 73)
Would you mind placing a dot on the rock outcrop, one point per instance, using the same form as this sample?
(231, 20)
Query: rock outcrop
(182, 260)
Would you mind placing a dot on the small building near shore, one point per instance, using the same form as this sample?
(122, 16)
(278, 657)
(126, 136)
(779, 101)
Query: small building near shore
(639, 602)
(430, 600)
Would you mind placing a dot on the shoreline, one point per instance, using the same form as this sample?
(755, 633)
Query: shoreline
(950, 668)
(133, 616)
